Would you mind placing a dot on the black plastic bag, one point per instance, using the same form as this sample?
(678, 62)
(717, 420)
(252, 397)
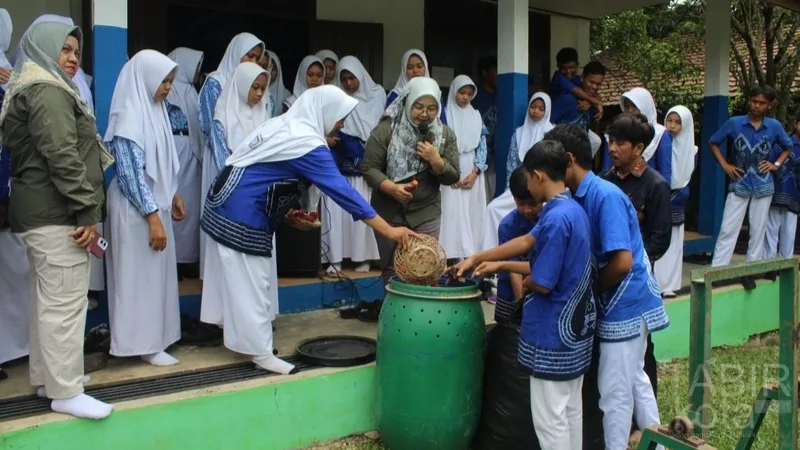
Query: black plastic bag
(506, 421)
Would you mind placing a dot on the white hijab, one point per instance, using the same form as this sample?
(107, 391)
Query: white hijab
(465, 122)
(371, 100)
(683, 148)
(403, 79)
(296, 133)
(300, 84)
(6, 28)
(233, 111)
(136, 116)
(532, 132)
(184, 94)
(278, 89)
(237, 49)
(329, 54)
(643, 101)
(80, 79)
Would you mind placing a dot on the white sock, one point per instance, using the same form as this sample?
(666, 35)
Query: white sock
(333, 268)
(274, 364)
(41, 392)
(363, 268)
(160, 359)
(82, 406)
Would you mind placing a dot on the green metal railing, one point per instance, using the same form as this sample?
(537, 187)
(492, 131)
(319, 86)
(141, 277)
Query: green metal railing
(692, 432)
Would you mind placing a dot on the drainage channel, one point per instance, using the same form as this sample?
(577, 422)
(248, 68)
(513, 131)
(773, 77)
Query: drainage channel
(31, 405)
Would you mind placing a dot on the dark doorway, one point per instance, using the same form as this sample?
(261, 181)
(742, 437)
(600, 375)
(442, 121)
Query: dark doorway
(211, 31)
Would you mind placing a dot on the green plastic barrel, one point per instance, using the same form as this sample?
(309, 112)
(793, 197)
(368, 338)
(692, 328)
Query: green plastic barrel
(430, 366)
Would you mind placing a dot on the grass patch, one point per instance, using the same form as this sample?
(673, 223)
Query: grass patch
(737, 375)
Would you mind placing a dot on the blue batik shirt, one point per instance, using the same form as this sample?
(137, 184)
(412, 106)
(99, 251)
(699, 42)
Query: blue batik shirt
(209, 95)
(751, 147)
(786, 178)
(514, 225)
(615, 227)
(557, 330)
(246, 204)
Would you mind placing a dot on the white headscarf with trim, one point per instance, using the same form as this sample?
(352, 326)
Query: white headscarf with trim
(532, 132)
(278, 89)
(300, 84)
(465, 122)
(683, 148)
(371, 100)
(643, 100)
(233, 111)
(136, 116)
(402, 79)
(184, 95)
(297, 132)
(237, 49)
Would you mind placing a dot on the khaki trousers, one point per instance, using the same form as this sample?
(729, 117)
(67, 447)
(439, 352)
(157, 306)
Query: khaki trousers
(59, 284)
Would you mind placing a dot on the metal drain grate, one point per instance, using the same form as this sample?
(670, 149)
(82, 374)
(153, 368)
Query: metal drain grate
(31, 405)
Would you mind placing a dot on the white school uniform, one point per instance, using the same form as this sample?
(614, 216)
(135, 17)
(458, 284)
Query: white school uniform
(464, 210)
(15, 296)
(342, 237)
(242, 285)
(190, 154)
(669, 269)
(237, 118)
(144, 309)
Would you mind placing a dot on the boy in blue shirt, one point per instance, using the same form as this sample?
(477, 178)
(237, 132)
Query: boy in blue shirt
(517, 223)
(559, 315)
(751, 174)
(785, 205)
(629, 302)
(565, 81)
(569, 110)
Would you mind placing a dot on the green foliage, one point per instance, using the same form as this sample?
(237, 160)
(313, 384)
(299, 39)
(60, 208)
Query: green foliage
(650, 43)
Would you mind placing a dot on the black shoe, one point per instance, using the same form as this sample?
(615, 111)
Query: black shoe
(749, 283)
(196, 333)
(189, 270)
(355, 311)
(371, 315)
(771, 276)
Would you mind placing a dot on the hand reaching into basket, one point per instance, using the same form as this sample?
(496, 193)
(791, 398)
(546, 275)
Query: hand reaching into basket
(459, 270)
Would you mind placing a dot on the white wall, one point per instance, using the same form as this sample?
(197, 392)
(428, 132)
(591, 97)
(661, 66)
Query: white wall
(569, 32)
(403, 26)
(23, 12)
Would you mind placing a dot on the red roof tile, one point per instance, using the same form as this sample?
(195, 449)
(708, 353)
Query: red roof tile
(618, 81)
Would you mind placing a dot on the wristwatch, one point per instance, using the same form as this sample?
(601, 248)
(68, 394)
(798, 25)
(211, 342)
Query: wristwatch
(777, 164)
(477, 171)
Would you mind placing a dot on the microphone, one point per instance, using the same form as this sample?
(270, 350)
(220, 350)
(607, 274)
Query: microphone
(423, 131)
(423, 134)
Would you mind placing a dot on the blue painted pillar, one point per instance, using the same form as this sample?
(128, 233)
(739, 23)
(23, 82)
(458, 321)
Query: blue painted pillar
(715, 113)
(512, 80)
(110, 36)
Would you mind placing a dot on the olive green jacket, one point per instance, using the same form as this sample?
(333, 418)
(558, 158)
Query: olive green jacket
(426, 205)
(56, 173)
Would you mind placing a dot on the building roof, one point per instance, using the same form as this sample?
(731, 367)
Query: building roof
(618, 81)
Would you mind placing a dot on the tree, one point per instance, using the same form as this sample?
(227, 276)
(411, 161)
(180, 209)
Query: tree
(650, 43)
(764, 48)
